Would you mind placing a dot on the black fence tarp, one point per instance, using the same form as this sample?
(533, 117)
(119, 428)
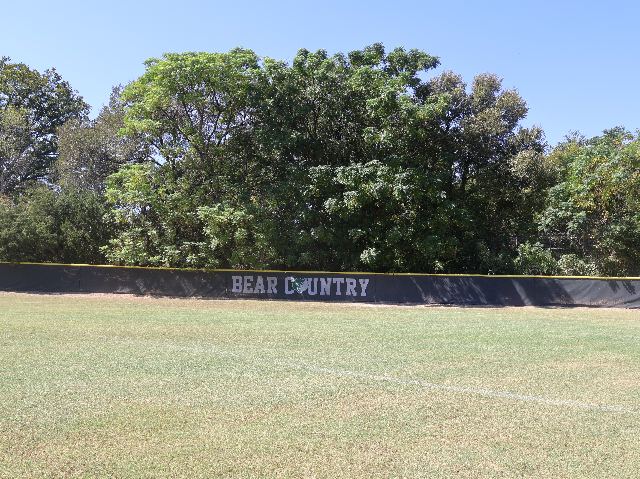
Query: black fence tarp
(166, 282)
(479, 290)
(596, 292)
(39, 278)
(55, 278)
(318, 286)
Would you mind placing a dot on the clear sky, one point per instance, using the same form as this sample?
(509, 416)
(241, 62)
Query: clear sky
(576, 63)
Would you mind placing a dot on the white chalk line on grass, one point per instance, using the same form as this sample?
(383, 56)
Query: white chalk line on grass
(373, 377)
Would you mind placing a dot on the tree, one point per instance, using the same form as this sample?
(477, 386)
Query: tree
(493, 170)
(44, 102)
(91, 150)
(328, 127)
(193, 110)
(332, 162)
(156, 224)
(594, 214)
(43, 225)
(17, 158)
(383, 171)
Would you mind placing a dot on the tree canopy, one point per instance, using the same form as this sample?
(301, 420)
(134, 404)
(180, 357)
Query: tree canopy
(594, 213)
(332, 162)
(33, 106)
(352, 161)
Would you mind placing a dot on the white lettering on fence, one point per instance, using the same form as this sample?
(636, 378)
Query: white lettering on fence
(338, 282)
(315, 286)
(237, 284)
(247, 284)
(363, 286)
(272, 282)
(259, 287)
(287, 283)
(256, 284)
(351, 287)
(325, 286)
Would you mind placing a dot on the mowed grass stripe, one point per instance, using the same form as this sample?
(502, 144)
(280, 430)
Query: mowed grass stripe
(372, 377)
(148, 387)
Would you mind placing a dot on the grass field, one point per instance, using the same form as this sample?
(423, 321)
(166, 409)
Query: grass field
(130, 387)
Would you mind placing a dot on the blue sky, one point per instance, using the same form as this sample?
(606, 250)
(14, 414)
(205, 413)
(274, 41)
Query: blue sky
(576, 63)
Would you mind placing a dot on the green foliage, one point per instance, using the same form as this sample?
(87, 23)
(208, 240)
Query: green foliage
(152, 221)
(17, 159)
(535, 259)
(47, 226)
(235, 236)
(35, 105)
(91, 150)
(493, 171)
(572, 265)
(159, 224)
(332, 162)
(497, 261)
(193, 108)
(334, 110)
(378, 217)
(595, 211)
(343, 162)
(190, 205)
(339, 136)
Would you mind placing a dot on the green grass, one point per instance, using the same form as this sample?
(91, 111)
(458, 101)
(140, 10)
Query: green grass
(128, 387)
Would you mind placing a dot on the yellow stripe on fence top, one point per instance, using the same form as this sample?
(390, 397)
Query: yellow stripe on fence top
(624, 278)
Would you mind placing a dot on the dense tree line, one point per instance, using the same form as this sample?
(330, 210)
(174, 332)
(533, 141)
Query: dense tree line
(343, 162)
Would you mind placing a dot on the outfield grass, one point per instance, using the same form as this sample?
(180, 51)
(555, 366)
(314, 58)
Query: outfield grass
(127, 387)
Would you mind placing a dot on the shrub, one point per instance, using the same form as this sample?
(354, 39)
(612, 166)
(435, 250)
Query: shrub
(535, 259)
(573, 265)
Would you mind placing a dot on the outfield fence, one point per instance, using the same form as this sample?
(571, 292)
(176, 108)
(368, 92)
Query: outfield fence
(324, 286)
